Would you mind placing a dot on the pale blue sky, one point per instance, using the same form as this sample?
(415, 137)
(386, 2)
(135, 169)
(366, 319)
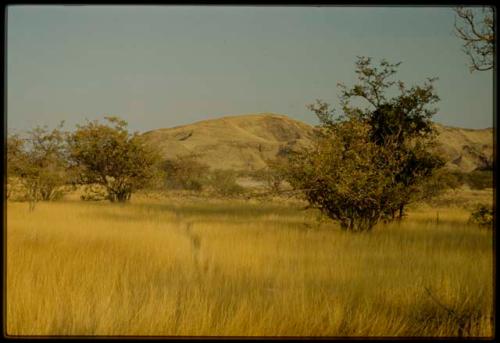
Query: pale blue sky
(162, 66)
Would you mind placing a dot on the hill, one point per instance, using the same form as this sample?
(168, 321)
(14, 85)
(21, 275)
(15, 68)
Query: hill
(466, 149)
(245, 142)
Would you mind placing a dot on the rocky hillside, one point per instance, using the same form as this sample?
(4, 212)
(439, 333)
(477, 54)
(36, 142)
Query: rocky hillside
(466, 149)
(239, 142)
(245, 142)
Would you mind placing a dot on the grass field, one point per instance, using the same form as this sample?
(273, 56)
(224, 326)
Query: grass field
(205, 267)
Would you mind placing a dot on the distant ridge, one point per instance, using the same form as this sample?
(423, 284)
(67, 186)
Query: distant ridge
(245, 142)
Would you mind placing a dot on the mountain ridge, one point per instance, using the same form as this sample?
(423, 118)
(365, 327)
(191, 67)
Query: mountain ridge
(245, 142)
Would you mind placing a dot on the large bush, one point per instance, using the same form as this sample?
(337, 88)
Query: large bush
(370, 162)
(345, 176)
(39, 163)
(110, 156)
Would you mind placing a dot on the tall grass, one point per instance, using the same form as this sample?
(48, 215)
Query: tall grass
(241, 269)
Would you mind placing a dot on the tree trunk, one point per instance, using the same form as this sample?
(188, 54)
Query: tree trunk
(32, 197)
(401, 211)
(343, 225)
(46, 194)
(111, 196)
(123, 196)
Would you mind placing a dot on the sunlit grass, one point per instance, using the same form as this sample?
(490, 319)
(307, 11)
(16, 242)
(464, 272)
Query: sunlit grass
(156, 267)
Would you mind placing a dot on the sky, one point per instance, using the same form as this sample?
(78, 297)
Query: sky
(164, 66)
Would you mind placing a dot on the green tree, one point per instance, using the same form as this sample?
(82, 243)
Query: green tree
(110, 156)
(345, 175)
(15, 153)
(370, 162)
(402, 124)
(16, 158)
(39, 162)
(440, 181)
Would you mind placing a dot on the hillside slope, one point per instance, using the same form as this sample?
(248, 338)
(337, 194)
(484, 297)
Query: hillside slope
(245, 142)
(237, 142)
(466, 149)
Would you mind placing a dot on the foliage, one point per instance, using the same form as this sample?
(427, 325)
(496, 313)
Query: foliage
(477, 179)
(274, 174)
(39, 162)
(224, 183)
(345, 175)
(15, 153)
(185, 172)
(402, 124)
(371, 162)
(476, 28)
(14, 156)
(480, 179)
(440, 181)
(112, 157)
(94, 192)
(483, 215)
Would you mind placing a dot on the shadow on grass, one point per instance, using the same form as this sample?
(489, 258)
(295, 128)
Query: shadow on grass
(210, 212)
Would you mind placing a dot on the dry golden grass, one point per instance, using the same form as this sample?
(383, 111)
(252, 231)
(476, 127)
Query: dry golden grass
(156, 267)
(462, 198)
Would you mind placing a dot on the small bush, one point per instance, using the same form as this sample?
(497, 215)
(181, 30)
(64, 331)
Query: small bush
(17, 191)
(224, 183)
(58, 194)
(482, 215)
(480, 179)
(94, 193)
(476, 179)
(185, 172)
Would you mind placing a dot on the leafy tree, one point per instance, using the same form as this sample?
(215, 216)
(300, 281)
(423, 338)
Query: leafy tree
(110, 156)
(370, 162)
(441, 180)
(16, 157)
(15, 153)
(476, 29)
(345, 175)
(402, 124)
(39, 162)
